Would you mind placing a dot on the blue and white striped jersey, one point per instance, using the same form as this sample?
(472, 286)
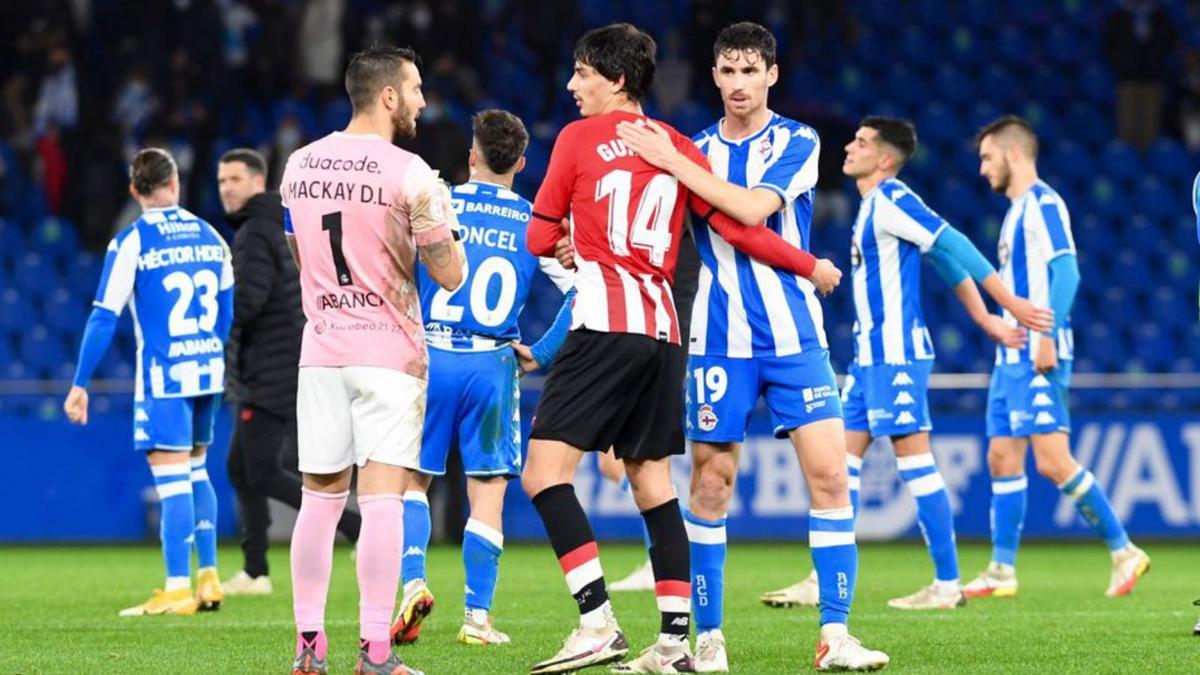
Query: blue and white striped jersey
(169, 266)
(481, 314)
(893, 228)
(744, 308)
(1036, 230)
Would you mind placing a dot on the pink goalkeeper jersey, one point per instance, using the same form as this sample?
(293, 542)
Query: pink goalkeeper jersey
(358, 207)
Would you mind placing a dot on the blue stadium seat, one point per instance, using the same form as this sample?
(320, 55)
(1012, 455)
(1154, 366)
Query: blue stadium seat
(64, 311)
(1003, 89)
(55, 237)
(1155, 199)
(1104, 199)
(905, 86)
(1069, 160)
(1062, 46)
(1121, 162)
(32, 274)
(12, 242)
(1087, 125)
(335, 114)
(1140, 234)
(1095, 82)
(914, 46)
(952, 85)
(16, 311)
(1168, 159)
(940, 124)
(42, 350)
(83, 274)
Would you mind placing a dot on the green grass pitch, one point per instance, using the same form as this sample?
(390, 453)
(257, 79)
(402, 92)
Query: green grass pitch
(58, 612)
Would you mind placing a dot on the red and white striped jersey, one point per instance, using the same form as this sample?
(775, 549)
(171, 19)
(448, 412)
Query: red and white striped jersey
(626, 219)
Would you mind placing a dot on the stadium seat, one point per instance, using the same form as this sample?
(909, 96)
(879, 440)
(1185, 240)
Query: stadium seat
(1121, 162)
(1155, 199)
(42, 350)
(12, 243)
(1087, 125)
(1167, 158)
(55, 237)
(1095, 82)
(16, 311)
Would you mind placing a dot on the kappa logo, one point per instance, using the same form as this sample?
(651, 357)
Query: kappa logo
(141, 435)
(902, 379)
(205, 524)
(467, 590)
(905, 417)
(903, 398)
(706, 418)
(1042, 400)
(140, 416)
(1044, 417)
(413, 550)
(1040, 382)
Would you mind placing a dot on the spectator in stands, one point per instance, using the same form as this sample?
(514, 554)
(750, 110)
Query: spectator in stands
(321, 45)
(1139, 38)
(263, 356)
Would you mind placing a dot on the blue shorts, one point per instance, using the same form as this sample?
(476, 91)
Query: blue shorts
(888, 400)
(174, 423)
(474, 399)
(722, 392)
(1022, 403)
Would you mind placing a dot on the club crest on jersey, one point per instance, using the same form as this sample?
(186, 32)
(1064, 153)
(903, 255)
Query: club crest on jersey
(764, 146)
(706, 418)
(902, 379)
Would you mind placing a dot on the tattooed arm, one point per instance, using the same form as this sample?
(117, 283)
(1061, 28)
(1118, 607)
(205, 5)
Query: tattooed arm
(444, 260)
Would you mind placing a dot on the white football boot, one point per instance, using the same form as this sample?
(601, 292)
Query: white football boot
(838, 650)
(997, 581)
(933, 596)
(710, 652)
(244, 584)
(668, 655)
(1128, 566)
(641, 579)
(806, 593)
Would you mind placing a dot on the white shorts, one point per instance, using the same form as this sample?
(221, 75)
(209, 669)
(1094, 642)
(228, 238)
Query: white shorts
(357, 414)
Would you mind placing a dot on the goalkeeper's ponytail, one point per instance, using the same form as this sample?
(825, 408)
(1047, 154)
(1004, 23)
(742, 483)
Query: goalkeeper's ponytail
(151, 169)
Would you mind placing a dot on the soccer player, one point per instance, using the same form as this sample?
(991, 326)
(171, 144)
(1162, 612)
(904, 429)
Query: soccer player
(474, 349)
(264, 352)
(360, 209)
(1027, 398)
(886, 391)
(758, 331)
(173, 271)
(617, 381)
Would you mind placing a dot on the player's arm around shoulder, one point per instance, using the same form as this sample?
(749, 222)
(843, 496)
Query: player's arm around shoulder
(679, 156)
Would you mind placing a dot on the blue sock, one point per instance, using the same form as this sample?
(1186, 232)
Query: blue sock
(177, 520)
(835, 558)
(934, 515)
(204, 502)
(482, 546)
(416, 535)
(1008, 517)
(854, 479)
(1093, 505)
(707, 539)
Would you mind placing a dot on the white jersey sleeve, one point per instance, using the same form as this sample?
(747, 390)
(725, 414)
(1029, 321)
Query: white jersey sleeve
(120, 271)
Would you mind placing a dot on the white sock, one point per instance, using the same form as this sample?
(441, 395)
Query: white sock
(598, 618)
(410, 585)
(947, 587)
(831, 631)
(479, 616)
(176, 583)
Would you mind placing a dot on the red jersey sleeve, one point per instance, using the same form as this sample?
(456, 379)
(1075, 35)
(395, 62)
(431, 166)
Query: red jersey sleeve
(553, 201)
(756, 241)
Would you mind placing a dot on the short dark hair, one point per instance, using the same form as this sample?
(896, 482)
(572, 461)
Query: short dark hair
(620, 49)
(502, 138)
(1016, 128)
(896, 132)
(151, 169)
(745, 36)
(252, 158)
(373, 69)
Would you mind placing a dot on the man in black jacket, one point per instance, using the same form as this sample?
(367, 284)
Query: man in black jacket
(263, 354)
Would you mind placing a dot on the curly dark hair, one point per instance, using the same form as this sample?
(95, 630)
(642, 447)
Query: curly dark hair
(745, 36)
(620, 49)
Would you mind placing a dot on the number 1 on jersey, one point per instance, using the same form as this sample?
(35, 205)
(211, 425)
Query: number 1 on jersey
(332, 223)
(651, 222)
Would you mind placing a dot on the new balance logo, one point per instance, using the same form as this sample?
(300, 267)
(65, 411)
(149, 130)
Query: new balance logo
(1044, 418)
(905, 417)
(903, 398)
(902, 380)
(1042, 400)
(679, 621)
(413, 550)
(1040, 382)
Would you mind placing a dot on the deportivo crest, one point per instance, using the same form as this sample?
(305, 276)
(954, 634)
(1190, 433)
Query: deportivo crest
(706, 418)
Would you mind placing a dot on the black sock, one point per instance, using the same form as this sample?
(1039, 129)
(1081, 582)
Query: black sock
(670, 556)
(575, 546)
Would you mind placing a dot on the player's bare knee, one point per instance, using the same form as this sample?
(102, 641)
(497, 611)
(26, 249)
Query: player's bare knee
(828, 486)
(712, 489)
